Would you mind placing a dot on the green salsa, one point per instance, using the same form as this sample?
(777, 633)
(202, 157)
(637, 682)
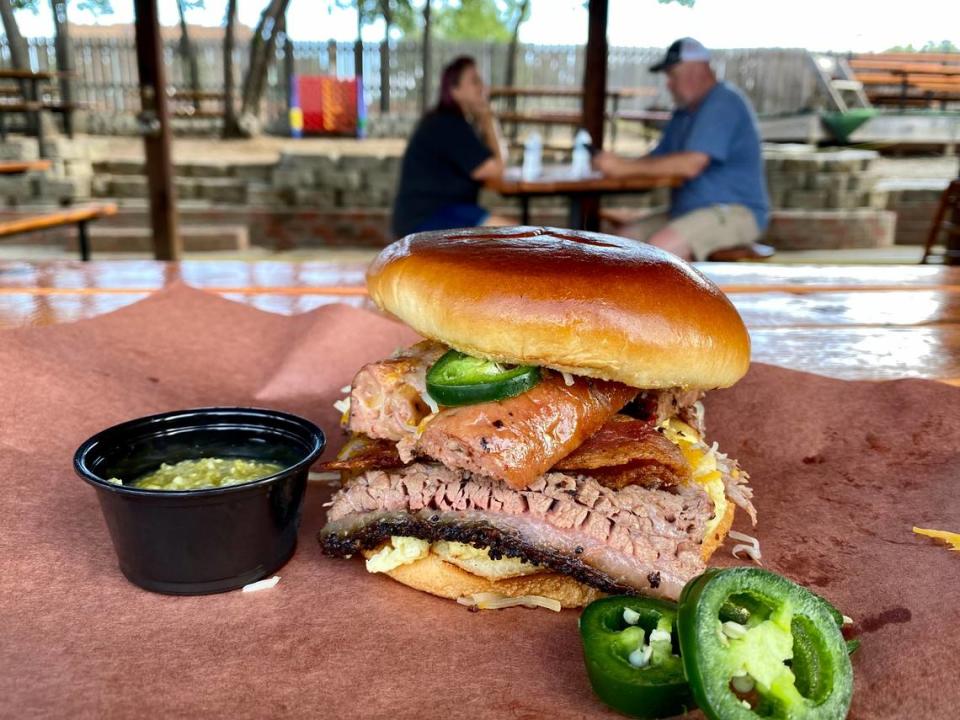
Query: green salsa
(205, 473)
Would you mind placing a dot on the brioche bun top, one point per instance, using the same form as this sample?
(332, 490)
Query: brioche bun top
(586, 303)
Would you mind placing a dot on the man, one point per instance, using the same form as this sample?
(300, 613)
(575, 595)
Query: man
(713, 143)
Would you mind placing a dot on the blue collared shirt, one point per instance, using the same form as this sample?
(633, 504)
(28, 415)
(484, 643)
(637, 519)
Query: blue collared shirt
(724, 127)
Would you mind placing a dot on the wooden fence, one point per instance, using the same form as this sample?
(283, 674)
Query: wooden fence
(777, 81)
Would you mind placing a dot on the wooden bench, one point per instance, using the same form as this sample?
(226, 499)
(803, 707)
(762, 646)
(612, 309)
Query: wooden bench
(78, 216)
(909, 80)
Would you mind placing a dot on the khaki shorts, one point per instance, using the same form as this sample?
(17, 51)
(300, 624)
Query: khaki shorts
(705, 230)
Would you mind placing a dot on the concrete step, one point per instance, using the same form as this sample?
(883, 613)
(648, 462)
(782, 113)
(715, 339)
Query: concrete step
(217, 190)
(257, 171)
(196, 238)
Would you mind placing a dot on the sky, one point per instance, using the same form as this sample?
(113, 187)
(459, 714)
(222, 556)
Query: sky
(856, 25)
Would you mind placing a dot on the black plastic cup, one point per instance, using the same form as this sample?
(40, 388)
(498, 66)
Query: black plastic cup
(191, 542)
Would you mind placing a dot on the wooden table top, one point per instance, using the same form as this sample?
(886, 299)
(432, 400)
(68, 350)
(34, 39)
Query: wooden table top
(851, 322)
(557, 180)
(547, 91)
(18, 167)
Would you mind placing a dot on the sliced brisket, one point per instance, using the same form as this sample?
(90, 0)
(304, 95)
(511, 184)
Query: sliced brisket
(634, 540)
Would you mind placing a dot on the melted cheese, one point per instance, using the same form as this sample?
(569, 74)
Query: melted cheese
(704, 462)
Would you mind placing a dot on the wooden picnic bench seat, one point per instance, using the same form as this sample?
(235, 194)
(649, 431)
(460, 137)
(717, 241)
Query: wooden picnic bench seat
(78, 216)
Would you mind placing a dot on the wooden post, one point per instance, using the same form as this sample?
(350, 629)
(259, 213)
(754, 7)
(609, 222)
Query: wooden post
(952, 256)
(155, 125)
(594, 96)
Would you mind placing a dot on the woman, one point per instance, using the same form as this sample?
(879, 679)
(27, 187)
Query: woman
(446, 161)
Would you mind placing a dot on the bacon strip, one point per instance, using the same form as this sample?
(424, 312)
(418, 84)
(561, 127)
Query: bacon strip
(362, 453)
(519, 439)
(626, 451)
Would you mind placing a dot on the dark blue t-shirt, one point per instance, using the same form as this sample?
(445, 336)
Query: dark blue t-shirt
(724, 127)
(442, 153)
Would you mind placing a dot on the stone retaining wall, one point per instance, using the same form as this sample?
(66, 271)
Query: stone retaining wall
(821, 199)
(915, 203)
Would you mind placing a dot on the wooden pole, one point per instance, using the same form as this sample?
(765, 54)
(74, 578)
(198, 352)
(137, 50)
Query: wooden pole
(155, 125)
(952, 256)
(594, 96)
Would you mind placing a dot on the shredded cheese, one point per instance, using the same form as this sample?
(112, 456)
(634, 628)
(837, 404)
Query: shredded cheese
(751, 548)
(951, 538)
(496, 601)
(342, 406)
(262, 584)
(431, 403)
(326, 478)
(567, 378)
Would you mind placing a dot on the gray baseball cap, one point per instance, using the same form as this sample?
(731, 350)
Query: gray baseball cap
(682, 50)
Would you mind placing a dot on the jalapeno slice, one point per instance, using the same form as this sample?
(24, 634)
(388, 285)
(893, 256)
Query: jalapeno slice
(787, 660)
(460, 379)
(631, 653)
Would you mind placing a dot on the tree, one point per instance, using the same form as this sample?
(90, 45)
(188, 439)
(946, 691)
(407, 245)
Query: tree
(188, 53)
(485, 20)
(396, 14)
(931, 46)
(263, 46)
(63, 49)
(19, 53)
(231, 127)
(520, 10)
(426, 60)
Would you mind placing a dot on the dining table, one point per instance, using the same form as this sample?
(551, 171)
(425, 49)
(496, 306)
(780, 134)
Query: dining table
(855, 322)
(841, 472)
(582, 190)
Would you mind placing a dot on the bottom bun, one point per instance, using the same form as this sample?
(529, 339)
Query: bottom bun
(438, 577)
(716, 538)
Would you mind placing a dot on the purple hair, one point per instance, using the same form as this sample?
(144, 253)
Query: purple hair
(451, 79)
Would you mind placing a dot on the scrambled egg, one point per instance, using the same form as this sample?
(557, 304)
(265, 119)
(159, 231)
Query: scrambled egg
(400, 550)
(478, 561)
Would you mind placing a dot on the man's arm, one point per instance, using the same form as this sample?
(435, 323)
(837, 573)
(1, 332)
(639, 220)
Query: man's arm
(686, 164)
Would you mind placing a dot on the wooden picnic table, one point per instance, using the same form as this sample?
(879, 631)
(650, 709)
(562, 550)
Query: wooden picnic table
(32, 104)
(849, 322)
(557, 180)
